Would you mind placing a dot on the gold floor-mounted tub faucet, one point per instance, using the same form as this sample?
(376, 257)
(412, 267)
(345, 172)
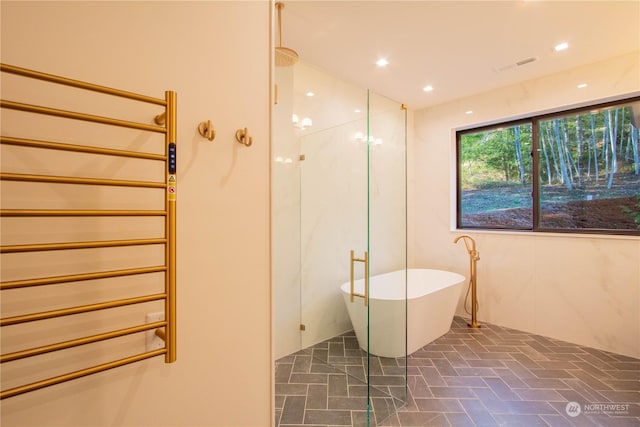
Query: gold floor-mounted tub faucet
(474, 257)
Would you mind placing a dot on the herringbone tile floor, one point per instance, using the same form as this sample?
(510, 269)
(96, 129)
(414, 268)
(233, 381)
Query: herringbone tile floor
(492, 376)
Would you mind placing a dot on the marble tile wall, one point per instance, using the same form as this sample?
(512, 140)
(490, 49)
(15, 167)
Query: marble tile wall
(583, 289)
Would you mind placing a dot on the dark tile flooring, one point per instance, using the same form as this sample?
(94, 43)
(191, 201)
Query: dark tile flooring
(492, 376)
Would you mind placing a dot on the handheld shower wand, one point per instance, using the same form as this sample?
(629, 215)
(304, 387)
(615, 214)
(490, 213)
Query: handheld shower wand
(474, 256)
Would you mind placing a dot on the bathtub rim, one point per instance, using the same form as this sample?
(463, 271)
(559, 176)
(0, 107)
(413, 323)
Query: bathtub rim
(457, 278)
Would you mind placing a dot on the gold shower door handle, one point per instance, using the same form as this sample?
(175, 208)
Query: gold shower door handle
(365, 260)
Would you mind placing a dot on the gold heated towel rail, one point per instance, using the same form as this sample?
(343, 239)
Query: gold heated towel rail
(164, 195)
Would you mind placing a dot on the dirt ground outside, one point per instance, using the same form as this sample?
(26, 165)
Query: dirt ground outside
(607, 214)
(590, 207)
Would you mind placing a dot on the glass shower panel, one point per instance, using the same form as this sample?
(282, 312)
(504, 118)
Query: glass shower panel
(333, 222)
(387, 186)
(285, 193)
(387, 219)
(334, 228)
(353, 198)
(339, 185)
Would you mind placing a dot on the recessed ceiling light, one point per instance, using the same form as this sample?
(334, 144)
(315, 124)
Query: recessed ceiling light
(382, 62)
(427, 88)
(310, 93)
(582, 85)
(561, 46)
(469, 112)
(356, 110)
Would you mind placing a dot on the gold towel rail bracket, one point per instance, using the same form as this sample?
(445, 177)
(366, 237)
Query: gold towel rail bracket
(77, 305)
(160, 119)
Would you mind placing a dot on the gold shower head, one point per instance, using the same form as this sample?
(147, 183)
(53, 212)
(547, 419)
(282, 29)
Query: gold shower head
(284, 56)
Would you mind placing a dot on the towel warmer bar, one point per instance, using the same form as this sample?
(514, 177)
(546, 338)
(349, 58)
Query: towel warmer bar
(165, 123)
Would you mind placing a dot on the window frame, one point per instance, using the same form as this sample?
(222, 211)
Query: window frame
(534, 120)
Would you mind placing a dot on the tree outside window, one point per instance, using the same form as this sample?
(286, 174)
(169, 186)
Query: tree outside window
(583, 175)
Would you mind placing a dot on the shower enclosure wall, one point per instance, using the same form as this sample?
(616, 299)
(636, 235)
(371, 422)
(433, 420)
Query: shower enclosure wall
(339, 184)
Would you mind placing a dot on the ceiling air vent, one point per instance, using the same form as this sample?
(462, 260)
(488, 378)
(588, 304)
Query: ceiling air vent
(516, 64)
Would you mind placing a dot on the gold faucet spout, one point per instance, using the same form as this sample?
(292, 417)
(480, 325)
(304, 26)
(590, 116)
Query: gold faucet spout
(471, 249)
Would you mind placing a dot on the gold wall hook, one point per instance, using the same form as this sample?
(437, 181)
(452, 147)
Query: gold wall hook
(206, 130)
(242, 136)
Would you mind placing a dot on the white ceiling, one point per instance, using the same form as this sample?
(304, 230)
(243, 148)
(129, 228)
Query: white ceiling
(455, 46)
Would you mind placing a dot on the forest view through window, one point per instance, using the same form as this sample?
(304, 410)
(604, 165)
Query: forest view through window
(575, 171)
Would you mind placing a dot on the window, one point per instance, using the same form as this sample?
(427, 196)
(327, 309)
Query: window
(573, 171)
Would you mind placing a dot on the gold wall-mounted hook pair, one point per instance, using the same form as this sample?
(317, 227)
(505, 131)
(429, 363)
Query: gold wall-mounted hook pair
(242, 136)
(206, 130)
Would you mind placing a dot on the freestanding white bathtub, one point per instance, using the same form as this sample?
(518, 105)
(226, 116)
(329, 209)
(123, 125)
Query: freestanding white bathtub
(431, 300)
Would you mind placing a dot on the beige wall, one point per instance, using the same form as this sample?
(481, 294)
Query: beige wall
(581, 289)
(215, 55)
